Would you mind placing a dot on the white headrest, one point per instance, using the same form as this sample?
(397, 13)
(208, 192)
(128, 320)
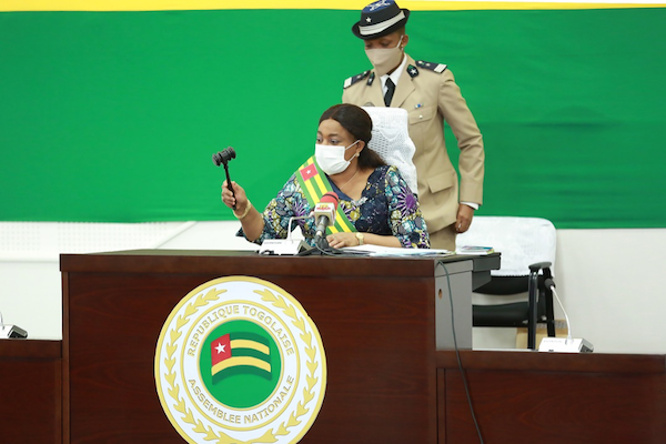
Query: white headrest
(390, 139)
(521, 240)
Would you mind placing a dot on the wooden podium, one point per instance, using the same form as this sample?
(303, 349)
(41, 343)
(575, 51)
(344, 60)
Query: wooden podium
(377, 318)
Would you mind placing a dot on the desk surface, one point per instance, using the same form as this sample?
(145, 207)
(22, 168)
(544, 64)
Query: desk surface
(189, 261)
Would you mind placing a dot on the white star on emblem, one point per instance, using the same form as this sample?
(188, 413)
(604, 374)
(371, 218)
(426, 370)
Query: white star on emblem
(368, 19)
(220, 347)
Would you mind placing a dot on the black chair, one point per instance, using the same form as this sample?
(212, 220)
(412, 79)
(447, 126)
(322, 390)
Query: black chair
(528, 251)
(538, 308)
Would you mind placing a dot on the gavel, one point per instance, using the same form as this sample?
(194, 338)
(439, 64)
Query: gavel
(223, 157)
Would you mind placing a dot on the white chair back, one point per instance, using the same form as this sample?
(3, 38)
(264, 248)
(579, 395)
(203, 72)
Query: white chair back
(521, 240)
(390, 139)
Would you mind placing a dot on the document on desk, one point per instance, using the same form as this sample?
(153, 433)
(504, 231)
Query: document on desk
(474, 249)
(376, 250)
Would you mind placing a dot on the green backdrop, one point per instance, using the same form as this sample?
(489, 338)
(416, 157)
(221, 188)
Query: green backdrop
(114, 116)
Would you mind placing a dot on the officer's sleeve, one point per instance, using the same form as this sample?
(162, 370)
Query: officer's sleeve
(470, 142)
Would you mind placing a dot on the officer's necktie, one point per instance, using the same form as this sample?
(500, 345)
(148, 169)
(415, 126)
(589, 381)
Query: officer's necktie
(390, 89)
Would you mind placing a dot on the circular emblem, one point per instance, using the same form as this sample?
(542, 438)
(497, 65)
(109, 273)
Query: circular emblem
(238, 360)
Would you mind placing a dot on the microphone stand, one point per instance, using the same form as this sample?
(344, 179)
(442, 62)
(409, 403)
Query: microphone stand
(321, 248)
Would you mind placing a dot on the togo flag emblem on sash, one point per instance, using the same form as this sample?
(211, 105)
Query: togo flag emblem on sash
(314, 185)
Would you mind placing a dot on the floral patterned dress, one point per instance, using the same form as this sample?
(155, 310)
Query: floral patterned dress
(387, 207)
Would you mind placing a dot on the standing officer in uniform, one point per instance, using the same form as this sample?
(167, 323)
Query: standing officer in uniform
(430, 95)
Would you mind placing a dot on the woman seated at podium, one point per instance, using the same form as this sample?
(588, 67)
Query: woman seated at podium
(376, 206)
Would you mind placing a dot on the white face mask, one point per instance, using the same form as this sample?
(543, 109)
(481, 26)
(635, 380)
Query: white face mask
(331, 158)
(385, 59)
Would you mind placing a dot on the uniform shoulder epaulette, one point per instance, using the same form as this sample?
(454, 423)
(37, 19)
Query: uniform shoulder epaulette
(436, 67)
(353, 79)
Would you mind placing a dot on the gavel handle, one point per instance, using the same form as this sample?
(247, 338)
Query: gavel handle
(231, 188)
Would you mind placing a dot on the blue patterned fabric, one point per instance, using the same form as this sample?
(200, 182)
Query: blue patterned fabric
(387, 206)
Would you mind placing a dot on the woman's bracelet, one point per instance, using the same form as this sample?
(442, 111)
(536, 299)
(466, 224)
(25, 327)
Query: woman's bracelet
(248, 207)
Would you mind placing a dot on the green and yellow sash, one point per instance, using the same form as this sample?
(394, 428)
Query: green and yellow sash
(314, 185)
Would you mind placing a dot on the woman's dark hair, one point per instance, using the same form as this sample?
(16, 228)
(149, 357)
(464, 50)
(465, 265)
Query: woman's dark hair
(355, 120)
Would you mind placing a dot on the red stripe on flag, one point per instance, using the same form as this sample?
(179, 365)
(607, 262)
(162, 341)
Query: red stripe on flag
(220, 349)
(308, 172)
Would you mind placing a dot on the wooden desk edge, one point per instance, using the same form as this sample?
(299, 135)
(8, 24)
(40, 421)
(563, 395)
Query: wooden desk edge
(473, 360)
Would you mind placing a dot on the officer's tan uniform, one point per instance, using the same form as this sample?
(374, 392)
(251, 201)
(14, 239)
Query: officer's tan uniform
(430, 95)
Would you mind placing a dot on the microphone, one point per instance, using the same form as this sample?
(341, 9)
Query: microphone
(223, 157)
(286, 246)
(570, 344)
(324, 213)
(11, 331)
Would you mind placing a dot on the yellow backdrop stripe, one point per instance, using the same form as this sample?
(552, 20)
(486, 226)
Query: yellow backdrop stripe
(168, 5)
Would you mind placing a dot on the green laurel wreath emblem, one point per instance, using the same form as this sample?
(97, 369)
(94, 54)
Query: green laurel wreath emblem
(219, 437)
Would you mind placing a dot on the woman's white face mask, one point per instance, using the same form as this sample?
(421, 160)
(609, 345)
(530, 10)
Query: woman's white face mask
(385, 59)
(331, 158)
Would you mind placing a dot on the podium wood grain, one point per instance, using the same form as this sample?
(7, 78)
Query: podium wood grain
(30, 391)
(375, 318)
(528, 397)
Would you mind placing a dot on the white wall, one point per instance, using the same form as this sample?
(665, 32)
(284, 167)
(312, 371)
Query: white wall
(611, 284)
(608, 280)
(30, 285)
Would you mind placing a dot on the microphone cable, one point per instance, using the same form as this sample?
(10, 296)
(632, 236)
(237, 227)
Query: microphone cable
(455, 346)
(550, 284)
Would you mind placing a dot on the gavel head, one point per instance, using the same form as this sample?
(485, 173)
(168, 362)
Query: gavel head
(224, 156)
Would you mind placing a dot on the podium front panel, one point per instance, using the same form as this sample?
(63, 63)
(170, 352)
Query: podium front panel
(376, 318)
